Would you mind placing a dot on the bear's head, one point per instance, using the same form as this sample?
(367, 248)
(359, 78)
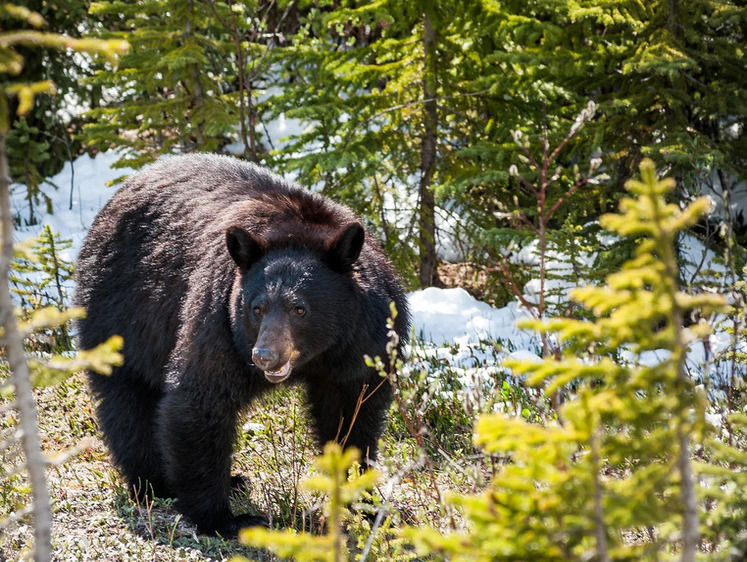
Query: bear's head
(296, 298)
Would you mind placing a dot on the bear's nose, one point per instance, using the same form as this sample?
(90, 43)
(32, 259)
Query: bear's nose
(264, 358)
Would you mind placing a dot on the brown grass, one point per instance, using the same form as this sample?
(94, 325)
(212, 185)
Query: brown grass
(95, 519)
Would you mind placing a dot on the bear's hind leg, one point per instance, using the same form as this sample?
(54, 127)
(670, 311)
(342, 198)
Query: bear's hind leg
(126, 413)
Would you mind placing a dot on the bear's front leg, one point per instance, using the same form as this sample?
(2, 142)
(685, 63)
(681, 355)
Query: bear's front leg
(197, 439)
(353, 413)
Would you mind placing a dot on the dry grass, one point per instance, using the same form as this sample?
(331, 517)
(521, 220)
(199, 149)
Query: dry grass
(93, 516)
(95, 519)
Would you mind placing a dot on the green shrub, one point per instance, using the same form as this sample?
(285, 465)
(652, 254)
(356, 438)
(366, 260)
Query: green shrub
(40, 278)
(614, 478)
(342, 484)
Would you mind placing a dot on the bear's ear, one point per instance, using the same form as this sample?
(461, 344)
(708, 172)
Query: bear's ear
(344, 249)
(245, 249)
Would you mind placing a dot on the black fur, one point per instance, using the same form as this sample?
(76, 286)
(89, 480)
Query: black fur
(199, 262)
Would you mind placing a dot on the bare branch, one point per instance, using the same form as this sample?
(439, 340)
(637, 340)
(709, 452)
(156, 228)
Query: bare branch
(15, 517)
(562, 199)
(503, 268)
(17, 361)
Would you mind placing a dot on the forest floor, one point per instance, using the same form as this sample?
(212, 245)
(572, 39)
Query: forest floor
(94, 517)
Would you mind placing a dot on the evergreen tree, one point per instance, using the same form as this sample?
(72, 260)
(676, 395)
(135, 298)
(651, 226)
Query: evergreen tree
(667, 79)
(42, 279)
(41, 141)
(29, 151)
(173, 91)
(340, 480)
(377, 85)
(620, 463)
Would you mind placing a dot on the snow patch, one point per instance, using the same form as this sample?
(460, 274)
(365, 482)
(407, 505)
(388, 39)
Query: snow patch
(445, 316)
(88, 179)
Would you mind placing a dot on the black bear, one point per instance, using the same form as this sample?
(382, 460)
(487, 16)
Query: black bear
(224, 279)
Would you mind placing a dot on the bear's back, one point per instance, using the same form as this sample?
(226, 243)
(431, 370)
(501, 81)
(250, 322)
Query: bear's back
(174, 213)
(204, 194)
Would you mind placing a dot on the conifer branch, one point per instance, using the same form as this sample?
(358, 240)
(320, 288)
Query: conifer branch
(110, 48)
(367, 120)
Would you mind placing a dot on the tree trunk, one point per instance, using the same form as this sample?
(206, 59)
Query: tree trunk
(428, 272)
(13, 341)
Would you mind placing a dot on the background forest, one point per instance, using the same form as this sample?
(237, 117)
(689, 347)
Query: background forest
(489, 145)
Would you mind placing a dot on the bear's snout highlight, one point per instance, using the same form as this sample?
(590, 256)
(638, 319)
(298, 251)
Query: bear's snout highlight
(275, 368)
(265, 358)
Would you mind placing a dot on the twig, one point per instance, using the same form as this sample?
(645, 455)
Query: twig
(18, 366)
(369, 543)
(7, 407)
(362, 398)
(16, 516)
(508, 276)
(7, 442)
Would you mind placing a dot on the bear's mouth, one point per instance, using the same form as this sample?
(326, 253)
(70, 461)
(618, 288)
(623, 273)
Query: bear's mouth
(280, 375)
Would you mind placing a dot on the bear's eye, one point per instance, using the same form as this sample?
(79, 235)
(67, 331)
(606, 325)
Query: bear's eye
(299, 311)
(257, 311)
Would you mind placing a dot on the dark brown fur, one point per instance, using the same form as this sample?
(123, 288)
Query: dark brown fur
(156, 269)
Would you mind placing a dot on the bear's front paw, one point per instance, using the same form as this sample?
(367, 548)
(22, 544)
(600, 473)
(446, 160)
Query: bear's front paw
(232, 527)
(239, 483)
